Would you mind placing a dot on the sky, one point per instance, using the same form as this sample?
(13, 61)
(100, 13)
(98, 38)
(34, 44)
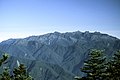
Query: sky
(23, 18)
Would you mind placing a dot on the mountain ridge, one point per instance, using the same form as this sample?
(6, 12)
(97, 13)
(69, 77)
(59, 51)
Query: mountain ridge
(56, 32)
(51, 55)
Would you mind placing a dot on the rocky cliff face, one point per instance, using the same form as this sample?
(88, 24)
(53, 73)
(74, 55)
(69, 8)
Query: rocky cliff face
(57, 56)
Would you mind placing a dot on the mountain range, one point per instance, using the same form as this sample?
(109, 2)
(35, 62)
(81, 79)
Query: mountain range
(56, 56)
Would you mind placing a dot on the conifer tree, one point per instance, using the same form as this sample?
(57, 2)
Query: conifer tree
(94, 67)
(5, 75)
(113, 69)
(19, 73)
(4, 58)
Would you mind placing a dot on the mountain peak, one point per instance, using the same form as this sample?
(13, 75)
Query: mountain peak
(55, 53)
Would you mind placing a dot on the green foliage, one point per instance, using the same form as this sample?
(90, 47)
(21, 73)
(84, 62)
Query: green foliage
(96, 67)
(19, 73)
(5, 75)
(5, 56)
(113, 68)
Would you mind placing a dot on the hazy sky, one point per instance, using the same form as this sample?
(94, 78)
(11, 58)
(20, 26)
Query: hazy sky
(21, 18)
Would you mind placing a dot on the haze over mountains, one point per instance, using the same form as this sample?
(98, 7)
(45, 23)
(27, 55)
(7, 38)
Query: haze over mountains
(57, 56)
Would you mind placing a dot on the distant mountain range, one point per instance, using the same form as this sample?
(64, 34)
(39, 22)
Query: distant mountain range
(57, 56)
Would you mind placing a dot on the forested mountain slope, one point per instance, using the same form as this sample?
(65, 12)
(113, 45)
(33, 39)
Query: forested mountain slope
(57, 56)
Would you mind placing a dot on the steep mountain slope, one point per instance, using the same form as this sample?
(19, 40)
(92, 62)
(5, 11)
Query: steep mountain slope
(57, 56)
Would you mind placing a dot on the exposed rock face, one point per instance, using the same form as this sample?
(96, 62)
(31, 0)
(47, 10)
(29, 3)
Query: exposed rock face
(57, 56)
